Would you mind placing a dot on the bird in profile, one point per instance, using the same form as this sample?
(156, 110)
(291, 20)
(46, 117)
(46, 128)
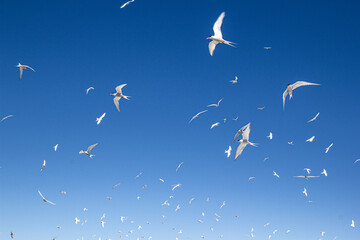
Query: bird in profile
(291, 87)
(45, 199)
(228, 152)
(250, 178)
(328, 148)
(218, 38)
(275, 174)
(43, 166)
(244, 141)
(98, 120)
(197, 115)
(324, 172)
(178, 167)
(118, 95)
(310, 139)
(306, 177)
(127, 3)
(8, 116)
(56, 147)
(214, 125)
(267, 48)
(215, 104)
(270, 136)
(352, 224)
(116, 185)
(314, 118)
(22, 68)
(87, 152)
(235, 80)
(305, 192)
(357, 160)
(90, 88)
(240, 131)
(308, 170)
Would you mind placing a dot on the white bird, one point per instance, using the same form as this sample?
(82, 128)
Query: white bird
(305, 192)
(324, 172)
(313, 119)
(63, 192)
(270, 136)
(308, 170)
(127, 3)
(291, 143)
(250, 178)
(161, 180)
(267, 48)
(235, 119)
(192, 199)
(322, 233)
(328, 148)
(291, 87)
(45, 199)
(43, 166)
(310, 139)
(9, 116)
(122, 219)
(267, 224)
(87, 152)
(222, 205)
(116, 185)
(352, 224)
(266, 159)
(228, 152)
(218, 38)
(215, 125)
(235, 80)
(98, 120)
(137, 176)
(244, 141)
(261, 108)
(197, 115)
(85, 209)
(240, 131)
(56, 147)
(103, 216)
(176, 186)
(179, 166)
(215, 104)
(102, 224)
(118, 95)
(87, 90)
(357, 160)
(275, 174)
(177, 208)
(77, 220)
(306, 177)
(22, 67)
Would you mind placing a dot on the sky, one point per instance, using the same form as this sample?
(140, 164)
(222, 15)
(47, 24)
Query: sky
(159, 49)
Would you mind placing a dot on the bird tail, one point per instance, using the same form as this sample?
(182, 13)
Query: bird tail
(230, 44)
(127, 97)
(254, 144)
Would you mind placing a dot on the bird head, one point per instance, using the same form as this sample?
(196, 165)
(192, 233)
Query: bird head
(208, 37)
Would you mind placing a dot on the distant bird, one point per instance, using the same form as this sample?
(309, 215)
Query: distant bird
(11, 234)
(267, 48)
(118, 95)
(87, 90)
(176, 186)
(250, 178)
(116, 185)
(324, 172)
(192, 199)
(85, 209)
(357, 160)
(161, 180)
(306, 177)
(137, 176)
(310, 139)
(56, 147)
(291, 87)
(222, 205)
(265, 159)
(244, 141)
(127, 3)
(352, 224)
(45, 199)
(314, 118)
(177, 208)
(240, 131)
(98, 120)
(197, 115)
(218, 38)
(291, 143)
(260, 108)
(275, 174)
(322, 233)
(8, 116)
(305, 192)
(43, 166)
(214, 125)
(328, 148)
(215, 104)
(228, 152)
(308, 170)
(235, 119)
(63, 192)
(87, 152)
(102, 224)
(270, 136)
(235, 80)
(178, 167)
(22, 67)
(267, 224)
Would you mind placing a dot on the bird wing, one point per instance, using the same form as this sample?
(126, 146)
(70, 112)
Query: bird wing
(314, 118)
(220, 101)
(50, 202)
(312, 176)
(302, 83)
(300, 176)
(239, 150)
(118, 88)
(102, 116)
(197, 115)
(125, 4)
(41, 194)
(236, 135)
(217, 26)
(91, 147)
(116, 102)
(246, 132)
(29, 67)
(212, 105)
(284, 97)
(21, 72)
(212, 46)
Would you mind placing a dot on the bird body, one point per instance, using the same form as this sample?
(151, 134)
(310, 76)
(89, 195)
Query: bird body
(87, 152)
(118, 95)
(22, 68)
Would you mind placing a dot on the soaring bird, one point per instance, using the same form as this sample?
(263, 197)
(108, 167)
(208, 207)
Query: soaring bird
(291, 87)
(218, 38)
(228, 152)
(328, 148)
(214, 125)
(56, 147)
(215, 104)
(306, 177)
(352, 224)
(324, 172)
(178, 167)
(43, 166)
(98, 120)
(45, 199)
(4, 118)
(197, 115)
(314, 118)
(87, 90)
(235, 80)
(22, 67)
(240, 131)
(310, 139)
(118, 95)
(244, 141)
(270, 136)
(305, 192)
(127, 3)
(275, 174)
(87, 152)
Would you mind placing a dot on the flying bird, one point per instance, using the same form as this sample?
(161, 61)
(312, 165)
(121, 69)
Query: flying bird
(87, 90)
(116, 185)
(137, 176)
(43, 166)
(357, 160)
(306, 177)
(308, 170)
(270, 136)
(197, 115)
(240, 131)
(250, 178)
(98, 120)
(352, 224)
(291, 87)
(62, 192)
(305, 192)
(218, 38)
(222, 205)
(9, 116)
(22, 67)
(87, 152)
(235, 80)
(127, 3)
(118, 95)
(215, 104)
(260, 108)
(176, 186)
(275, 174)
(56, 147)
(228, 152)
(244, 141)
(45, 199)
(310, 139)
(179, 166)
(324, 172)
(291, 143)
(214, 125)
(267, 48)
(314, 118)
(328, 148)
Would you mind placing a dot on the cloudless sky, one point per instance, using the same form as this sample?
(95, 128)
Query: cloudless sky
(159, 49)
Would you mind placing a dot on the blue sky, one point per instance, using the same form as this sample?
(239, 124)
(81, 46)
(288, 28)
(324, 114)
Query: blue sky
(159, 49)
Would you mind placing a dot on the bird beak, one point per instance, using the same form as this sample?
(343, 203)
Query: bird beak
(208, 38)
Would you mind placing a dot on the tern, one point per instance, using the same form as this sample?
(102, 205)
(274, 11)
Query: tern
(218, 38)
(328, 148)
(310, 139)
(267, 48)
(291, 143)
(45, 199)
(305, 192)
(137, 176)
(357, 160)
(116, 185)
(228, 152)
(63, 192)
(215, 104)
(244, 141)
(250, 178)
(161, 180)
(291, 87)
(178, 167)
(306, 177)
(192, 199)
(9, 116)
(87, 90)
(127, 3)
(240, 131)
(176, 186)
(118, 95)
(235, 80)
(352, 224)
(260, 108)
(270, 136)
(197, 115)
(87, 152)
(222, 205)
(98, 120)
(215, 125)
(22, 67)
(313, 119)
(275, 174)
(56, 147)
(43, 166)
(308, 170)
(324, 172)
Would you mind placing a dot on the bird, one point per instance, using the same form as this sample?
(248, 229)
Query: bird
(8, 116)
(228, 152)
(11, 234)
(161, 180)
(324, 172)
(244, 141)
(235, 80)
(197, 115)
(308, 170)
(102, 224)
(275, 174)
(291, 87)
(305, 192)
(291, 143)
(87, 152)
(352, 224)
(260, 108)
(45, 199)
(267, 48)
(215, 125)
(357, 160)
(63, 192)
(222, 205)
(87, 90)
(238, 132)
(306, 177)
(85, 209)
(178, 167)
(270, 136)
(266, 159)
(56, 147)
(176, 186)
(43, 166)
(250, 178)
(118, 95)
(215, 104)
(218, 38)
(22, 67)
(328, 148)
(98, 120)
(314, 118)
(235, 119)
(267, 224)
(127, 3)
(116, 185)
(177, 208)
(137, 176)
(310, 139)
(192, 199)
